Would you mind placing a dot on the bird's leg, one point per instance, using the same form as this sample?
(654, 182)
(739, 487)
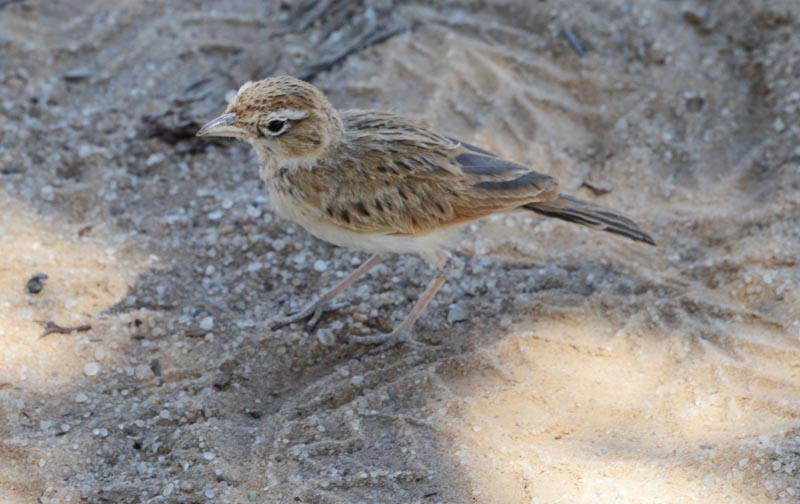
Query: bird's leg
(315, 309)
(400, 334)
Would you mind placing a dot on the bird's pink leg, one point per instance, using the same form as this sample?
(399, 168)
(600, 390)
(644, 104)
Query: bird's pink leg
(400, 334)
(314, 310)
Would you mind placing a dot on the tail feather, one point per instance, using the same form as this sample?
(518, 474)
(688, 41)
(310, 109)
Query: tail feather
(582, 212)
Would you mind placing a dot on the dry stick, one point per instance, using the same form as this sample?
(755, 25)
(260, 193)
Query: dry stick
(376, 36)
(51, 327)
(574, 41)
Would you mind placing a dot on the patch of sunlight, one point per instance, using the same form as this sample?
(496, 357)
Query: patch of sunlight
(578, 412)
(86, 275)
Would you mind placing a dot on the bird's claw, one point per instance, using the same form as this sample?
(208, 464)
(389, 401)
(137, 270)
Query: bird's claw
(386, 341)
(313, 312)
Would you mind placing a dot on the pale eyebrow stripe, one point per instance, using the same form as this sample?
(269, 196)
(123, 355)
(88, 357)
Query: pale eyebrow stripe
(290, 114)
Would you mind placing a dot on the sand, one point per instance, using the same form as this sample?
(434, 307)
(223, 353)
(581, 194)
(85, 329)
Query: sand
(564, 365)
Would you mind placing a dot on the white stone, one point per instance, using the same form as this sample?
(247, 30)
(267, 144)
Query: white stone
(91, 369)
(207, 323)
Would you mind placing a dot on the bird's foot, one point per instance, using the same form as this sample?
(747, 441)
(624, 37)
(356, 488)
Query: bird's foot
(385, 341)
(313, 312)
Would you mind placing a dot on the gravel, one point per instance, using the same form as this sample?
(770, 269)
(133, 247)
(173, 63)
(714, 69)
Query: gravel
(566, 363)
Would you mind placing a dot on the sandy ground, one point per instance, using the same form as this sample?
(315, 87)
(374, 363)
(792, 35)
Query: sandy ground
(565, 365)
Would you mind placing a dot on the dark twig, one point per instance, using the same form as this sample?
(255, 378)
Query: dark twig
(376, 36)
(574, 41)
(596, 187)
(51, 327)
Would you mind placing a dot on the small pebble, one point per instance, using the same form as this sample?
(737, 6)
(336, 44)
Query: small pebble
(320, 265)
(326, 337)
(81, 397)
(91, 369)
(77, 74)
(35, 283)
(207, 323)
(253, 212)
(457, 313)
(209, 455)
(154, 159)
(357, 380)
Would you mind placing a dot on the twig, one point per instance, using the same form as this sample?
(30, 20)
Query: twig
(376, 36)
(51, 327)
(573, 41)
(597, 188)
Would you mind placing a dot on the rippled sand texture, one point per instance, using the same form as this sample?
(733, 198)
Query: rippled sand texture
(566, 365)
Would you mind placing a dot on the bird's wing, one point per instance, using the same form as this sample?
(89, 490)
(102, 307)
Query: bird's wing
(397, 177)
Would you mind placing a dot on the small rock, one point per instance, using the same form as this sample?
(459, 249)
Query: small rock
(700, 18)
(155, 159)
(209, 455)
(141, 372)
(253, 212)
(457, 313)
(779, 126)
(225, 374)
(35, 283)
(694, 103)
(320, 265)
(357, 380)
(207, 323)
(81, 397)
(77, 74)
(155, 366)
(91, 369)
(326, 337)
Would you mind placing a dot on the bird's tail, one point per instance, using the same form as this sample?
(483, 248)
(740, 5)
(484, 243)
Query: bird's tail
(575, 210)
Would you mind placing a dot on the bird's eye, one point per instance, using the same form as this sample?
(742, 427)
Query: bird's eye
(276, 126)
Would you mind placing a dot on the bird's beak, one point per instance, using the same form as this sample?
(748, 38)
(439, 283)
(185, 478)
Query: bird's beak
(223, 126)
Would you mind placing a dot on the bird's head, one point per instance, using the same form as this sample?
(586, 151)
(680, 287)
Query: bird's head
(283, 118)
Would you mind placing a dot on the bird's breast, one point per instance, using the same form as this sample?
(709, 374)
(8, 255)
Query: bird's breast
(292, 202)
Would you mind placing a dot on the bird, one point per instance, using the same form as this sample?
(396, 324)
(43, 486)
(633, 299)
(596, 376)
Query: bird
(382, 183)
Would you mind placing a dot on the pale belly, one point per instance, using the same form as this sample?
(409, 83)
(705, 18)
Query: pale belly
(428, 245)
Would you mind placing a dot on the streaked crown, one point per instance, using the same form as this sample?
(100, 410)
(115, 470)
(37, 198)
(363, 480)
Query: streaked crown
(282, 117)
